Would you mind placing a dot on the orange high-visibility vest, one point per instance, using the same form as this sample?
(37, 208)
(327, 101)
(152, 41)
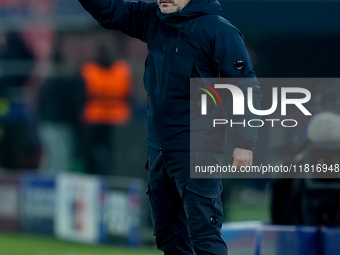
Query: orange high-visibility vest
(108, 91)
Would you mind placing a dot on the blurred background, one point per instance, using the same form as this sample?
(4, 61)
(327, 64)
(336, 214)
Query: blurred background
(73, 147)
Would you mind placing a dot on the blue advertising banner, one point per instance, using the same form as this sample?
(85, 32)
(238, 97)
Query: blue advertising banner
(124, 211)
(80, 203)
(254, 238)
(242, 237)
(37, 204)
(330, 241)
(299, 240)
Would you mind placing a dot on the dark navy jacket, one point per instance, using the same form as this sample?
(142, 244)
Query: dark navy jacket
(196, 42)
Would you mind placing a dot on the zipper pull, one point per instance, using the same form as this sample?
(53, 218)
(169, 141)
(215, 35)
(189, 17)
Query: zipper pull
(166, 36)
(179, 37)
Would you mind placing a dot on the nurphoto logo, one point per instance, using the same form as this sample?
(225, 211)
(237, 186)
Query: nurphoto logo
(238, 100)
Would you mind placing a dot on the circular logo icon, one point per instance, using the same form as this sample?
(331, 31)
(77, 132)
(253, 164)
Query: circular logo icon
(239, 64)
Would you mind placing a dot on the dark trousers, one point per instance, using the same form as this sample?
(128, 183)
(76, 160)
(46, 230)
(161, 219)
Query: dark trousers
(187, 213)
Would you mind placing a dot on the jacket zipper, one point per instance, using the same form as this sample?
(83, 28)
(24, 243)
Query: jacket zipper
(162, 97)
(179, 37)
(163, 87)
(166, 36)
(147, 104)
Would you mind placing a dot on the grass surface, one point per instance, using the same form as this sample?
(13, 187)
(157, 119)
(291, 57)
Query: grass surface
(249, 213)
(16, 244)
(33, 245)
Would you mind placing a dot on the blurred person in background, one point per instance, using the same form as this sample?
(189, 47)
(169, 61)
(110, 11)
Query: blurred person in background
(185, 39)
(108, 84)
(61, 103)
(19, 143)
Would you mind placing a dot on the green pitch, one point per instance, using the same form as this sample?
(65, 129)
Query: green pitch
(33, 245)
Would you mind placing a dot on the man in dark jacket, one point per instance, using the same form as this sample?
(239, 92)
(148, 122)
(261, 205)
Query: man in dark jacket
(186, 39)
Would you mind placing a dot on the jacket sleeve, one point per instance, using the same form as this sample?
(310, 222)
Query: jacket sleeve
(229, 48)
(127, 16)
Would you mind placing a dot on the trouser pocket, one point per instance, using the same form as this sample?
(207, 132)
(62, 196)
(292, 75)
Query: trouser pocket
(203, 206)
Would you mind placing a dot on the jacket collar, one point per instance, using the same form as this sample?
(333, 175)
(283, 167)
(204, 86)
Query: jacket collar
(195, 8)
